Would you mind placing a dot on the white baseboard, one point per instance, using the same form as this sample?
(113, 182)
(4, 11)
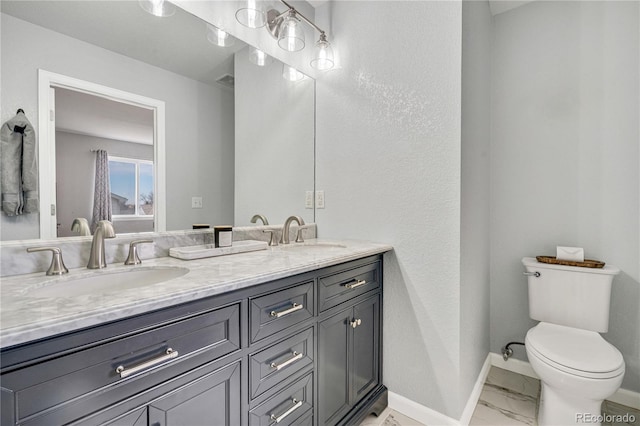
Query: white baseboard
(419, 412)
(626, 397)
(431, 417)
(514, 365)
(465, 418)
(622, 396)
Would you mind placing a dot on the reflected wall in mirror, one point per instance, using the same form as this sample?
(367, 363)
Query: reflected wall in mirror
(118, 45)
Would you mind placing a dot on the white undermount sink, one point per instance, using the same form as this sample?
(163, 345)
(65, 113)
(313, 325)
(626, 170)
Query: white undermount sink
(107, 282)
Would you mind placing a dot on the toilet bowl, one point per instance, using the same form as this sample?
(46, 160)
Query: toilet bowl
(578, 369)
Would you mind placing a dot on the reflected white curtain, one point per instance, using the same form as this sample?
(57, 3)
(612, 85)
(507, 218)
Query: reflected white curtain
(102, 190)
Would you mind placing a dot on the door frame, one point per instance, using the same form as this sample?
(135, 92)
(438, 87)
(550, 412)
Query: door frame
(47, 146)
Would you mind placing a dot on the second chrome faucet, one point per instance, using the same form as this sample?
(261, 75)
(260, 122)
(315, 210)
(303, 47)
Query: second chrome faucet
(96, 257)
(287, 225)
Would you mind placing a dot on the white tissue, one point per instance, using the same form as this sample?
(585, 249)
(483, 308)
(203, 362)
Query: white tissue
(575, 254)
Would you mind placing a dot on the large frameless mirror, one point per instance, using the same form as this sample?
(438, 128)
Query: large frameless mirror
(238, 138)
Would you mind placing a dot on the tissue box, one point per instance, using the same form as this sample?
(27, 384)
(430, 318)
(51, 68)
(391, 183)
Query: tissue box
(575, 254)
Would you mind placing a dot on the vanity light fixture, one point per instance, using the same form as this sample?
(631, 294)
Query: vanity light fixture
(286, 28)
(218, 36)
(323, 57)
(290, 33)
(252, 15)
(161, 8)
(258, 57)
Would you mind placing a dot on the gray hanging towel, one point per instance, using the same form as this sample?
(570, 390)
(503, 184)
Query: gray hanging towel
(19, 166)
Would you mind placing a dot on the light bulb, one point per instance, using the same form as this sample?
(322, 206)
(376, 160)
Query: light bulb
(291, 36)
(259, 58)
(291, 74)
(252, 15)
(323, 56)
(218, 37)
(159, 8)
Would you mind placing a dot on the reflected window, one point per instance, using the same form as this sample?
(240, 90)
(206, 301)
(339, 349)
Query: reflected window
(132, 184)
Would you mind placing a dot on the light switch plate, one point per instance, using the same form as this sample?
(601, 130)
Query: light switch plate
(308, 200)
(196, 202)
(320, 199)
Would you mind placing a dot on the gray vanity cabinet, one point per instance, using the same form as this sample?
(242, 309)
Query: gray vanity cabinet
(302, 350)
(213, 397)
(349, 356)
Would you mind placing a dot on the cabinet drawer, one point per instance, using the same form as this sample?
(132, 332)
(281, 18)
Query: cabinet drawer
(277, 311)
(72, 381)
(274, 364)
(286, 407)
(342, 286)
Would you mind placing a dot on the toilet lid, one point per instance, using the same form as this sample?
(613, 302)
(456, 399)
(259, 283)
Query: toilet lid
(580, 352)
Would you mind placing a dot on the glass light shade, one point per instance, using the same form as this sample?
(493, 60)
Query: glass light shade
(218, 37)
(291, 37)
(323, 56)
(291, 74)
(252, 15)
(161, 8)
(258, 57)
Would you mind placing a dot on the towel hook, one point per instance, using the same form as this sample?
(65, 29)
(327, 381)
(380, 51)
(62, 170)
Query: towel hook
(20, 110)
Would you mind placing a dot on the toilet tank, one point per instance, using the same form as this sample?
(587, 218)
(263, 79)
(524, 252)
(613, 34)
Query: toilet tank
(570, 295)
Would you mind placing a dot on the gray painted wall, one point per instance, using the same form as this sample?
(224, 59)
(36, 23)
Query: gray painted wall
(388, 159)
(75, 173)
(274, 149)
(199, 127)
(565, 156)
(474, 228)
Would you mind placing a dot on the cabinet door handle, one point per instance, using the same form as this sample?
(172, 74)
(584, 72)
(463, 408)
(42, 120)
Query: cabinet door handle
(355, 284)
(126, 372)
(355, 322)
(292, 309)
(281, 417)
(296, 356)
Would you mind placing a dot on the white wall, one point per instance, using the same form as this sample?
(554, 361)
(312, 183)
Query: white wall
(199, 127)
(274, 143)
(388, 159)
(564, 156)
(474, 239)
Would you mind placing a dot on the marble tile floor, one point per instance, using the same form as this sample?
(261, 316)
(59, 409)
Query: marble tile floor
(507, 399)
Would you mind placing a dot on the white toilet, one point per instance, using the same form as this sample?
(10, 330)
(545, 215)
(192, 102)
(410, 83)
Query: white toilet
(578, 369)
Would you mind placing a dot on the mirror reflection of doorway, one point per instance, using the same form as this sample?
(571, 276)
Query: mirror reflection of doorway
(84, 124)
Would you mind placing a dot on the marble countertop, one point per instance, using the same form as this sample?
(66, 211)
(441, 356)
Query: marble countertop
(25, 316)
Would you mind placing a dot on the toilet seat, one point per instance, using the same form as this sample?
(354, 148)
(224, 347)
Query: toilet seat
(579, 352)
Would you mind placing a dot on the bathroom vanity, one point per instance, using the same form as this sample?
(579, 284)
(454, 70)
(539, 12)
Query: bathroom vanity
(295, 338)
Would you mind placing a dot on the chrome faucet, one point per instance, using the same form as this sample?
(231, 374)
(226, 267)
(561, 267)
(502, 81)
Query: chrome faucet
(96, 258)
(255, 218)
(285, 229)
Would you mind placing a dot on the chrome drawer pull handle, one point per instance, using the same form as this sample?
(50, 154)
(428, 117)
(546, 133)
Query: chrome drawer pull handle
(293, 308)
(296, 356)
(126, 372)
(278, 419)
(532, 274)
(356, 283)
